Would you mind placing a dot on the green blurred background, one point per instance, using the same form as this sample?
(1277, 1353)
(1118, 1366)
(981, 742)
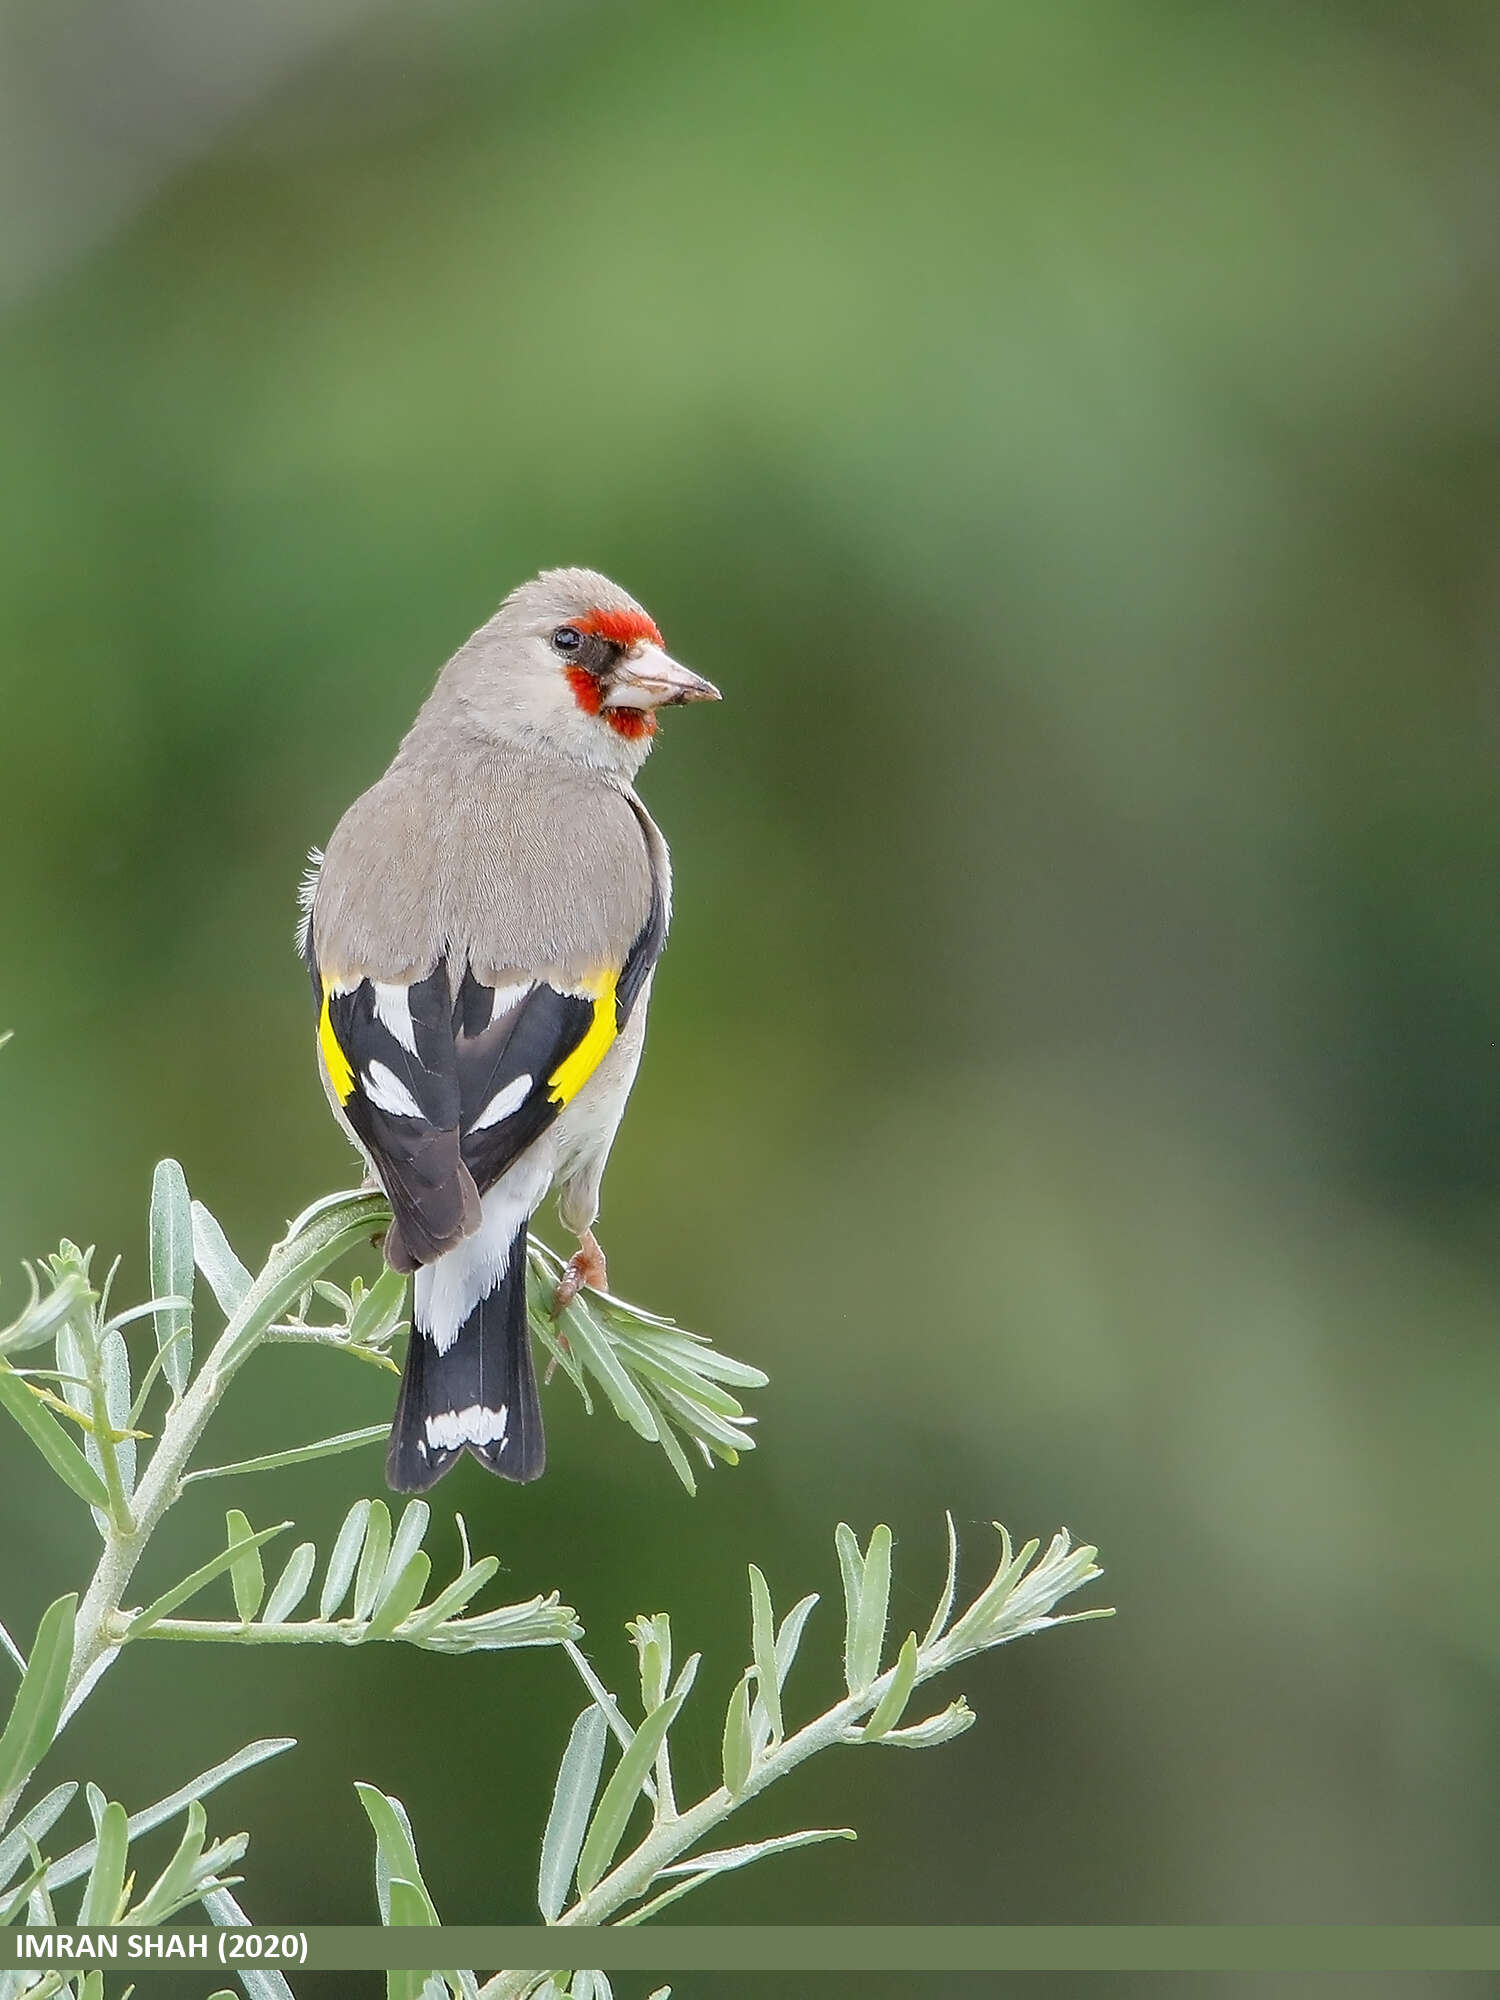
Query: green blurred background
(1068, 435)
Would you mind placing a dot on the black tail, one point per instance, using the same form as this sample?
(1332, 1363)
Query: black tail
(478, 1395)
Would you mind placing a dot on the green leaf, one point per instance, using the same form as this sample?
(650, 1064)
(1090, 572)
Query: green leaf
(148, 1380)
(594, 1350)
(106, 1884)
(448, 1603)
(626, 1785)
(114, 1366)
(944, 1609)
(71, 1866)
(380, 1312)
(172, 1271)
(323, 1232)
(177, 1879)
(572, 1802)
(727, 1437)
(763, 1649)
(852, 1574)
(407, 1985)
(644, 1359)
(228, 1279)
(70, 1292)
(693, 1352)
(79, 1365)
(892, 1704)
(682, 1686)
(347, 1545)
(372, 1562)
(666, 1437)
(142, 1622)
(37, 1708)
(738, 1750)
(395, 1853)
(33, 1827)
(30, 1891)
(653, 1647)
(406, 1542)
(247, 1573)
(991, 1600)
(47, 1434)
(725, 1859)
(541, 1621)
(942, 1728)
(789, 1635)
(874, 1599)
(290, 1587)
(402, 1598)
(119, 1321)
(297, 1454)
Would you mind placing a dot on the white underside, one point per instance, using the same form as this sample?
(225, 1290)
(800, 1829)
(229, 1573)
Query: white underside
(447, 1291)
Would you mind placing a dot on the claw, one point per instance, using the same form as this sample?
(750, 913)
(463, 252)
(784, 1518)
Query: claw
(586, 1268)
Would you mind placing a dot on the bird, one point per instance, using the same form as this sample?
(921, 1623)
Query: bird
(482, 932)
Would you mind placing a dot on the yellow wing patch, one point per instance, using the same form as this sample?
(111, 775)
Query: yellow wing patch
(340, 1075)
(574, 1071)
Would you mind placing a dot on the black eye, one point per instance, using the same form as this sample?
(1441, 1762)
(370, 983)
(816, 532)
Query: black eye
(567, 639)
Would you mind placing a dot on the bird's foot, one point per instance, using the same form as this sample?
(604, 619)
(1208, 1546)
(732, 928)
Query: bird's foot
(586, 1268)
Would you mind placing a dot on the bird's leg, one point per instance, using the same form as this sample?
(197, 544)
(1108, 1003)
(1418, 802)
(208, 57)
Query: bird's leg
(586, 1268)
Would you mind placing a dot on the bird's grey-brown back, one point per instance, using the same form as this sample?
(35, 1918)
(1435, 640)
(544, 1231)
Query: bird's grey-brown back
(518, 862)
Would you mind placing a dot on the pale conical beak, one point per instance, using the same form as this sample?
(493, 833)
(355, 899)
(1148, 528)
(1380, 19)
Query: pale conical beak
(649, 679)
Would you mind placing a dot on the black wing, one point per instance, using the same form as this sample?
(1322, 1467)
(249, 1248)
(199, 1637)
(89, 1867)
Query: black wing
(389, 1055)
(446, 1083)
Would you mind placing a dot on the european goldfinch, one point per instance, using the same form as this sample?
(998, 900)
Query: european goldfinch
(482, 934)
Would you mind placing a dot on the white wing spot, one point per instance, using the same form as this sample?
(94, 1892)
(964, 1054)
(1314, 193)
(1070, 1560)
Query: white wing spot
(393, 1011)
(476, 1425)
(503, 1103)
(387, 1092)
(503, 998)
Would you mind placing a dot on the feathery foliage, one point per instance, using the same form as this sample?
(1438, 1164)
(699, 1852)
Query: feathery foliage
(114, 1404)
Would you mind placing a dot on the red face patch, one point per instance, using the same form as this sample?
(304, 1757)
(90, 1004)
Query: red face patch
(624, 628)
(631, 723)
(586, 689)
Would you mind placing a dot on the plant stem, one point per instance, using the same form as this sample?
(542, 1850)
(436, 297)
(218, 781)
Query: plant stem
(670, 1839)
(293, 1263)
(1016, 1602)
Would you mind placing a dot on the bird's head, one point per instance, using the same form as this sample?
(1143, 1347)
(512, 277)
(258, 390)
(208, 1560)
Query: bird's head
(572, 661)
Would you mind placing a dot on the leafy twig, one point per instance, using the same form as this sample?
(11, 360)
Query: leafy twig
(587, 1826)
